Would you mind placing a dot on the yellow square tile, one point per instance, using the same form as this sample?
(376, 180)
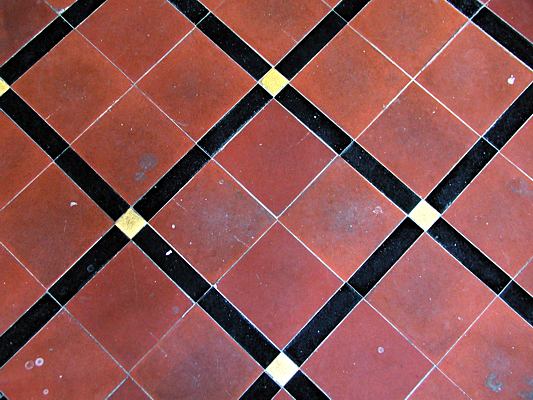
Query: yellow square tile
(130, 223)
(4, 87)
(424, 215)
(273, 82)
(282, 369)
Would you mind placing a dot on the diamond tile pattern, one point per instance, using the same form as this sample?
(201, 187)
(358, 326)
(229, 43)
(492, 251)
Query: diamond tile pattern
(233, 199)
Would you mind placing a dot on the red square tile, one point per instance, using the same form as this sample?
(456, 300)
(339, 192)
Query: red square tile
(279, 285)
(73, 365)
(129, 391)
(51, 224)
(430, 297)
(494, 212)
(409, 31)
(272, 27)
(518, 150)
(437, 387)
(133, 145)
(516, 13)
(21, 163)
(476, 78)
(197, 360)
(71, 86)
(196, 84)
(19, 26)
(418, 139)
(125, 32)
(525, 278)
(366, 357)
(493, 360)
(282, 395)
(350, 81)
(129, 290)
(20, 289)
(212, 221)
(342, 218)
(275, 157)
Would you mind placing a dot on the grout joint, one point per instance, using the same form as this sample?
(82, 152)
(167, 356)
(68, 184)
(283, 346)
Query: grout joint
(282, 369)
(273, 82)
(130, 223)
(424, 215)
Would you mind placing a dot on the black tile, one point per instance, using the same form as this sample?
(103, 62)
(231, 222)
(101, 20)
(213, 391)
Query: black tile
(192, 9)
(88, 265)
(264, 388)
(511, 120)
(3, 396)
(177, 269)
(381, 177)
(26, 326)
(302, 388)
(348, 9)
(92, 184)
(310, 45)
(461, 175)
(31, 123)
(469, 255)
(322, 324)
(34, 50)
(385, 256)
(167, 187)
(467, 7)
(238, 327)
(519, 300)
(80, 10)
(234, 46)
(313, 118)
(505, 35)
(234, 120)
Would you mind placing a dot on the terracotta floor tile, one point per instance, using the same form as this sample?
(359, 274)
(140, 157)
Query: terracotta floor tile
(212, 221)
(437, 387)
(67, 356)
(72, 79)
(409, 31)
(493, 360)
(350, 81)
(472, 76)
(430, 297)
(525, 278)
(342, 218)
(129, 305)
(133, 145)
(282, 395)
(129, 391)
(517, 13)
(196, 84)
(418, 139)
(348, 363)
(494, 212)
(275, 157)
(19, 26)
(519, 148)
(196, 360)
(50, 224)
(272, 27)
(21, 163)
(125, 32)
(279, 285)
(20, 289)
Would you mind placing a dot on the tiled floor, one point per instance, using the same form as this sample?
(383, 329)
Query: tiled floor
(269, 199)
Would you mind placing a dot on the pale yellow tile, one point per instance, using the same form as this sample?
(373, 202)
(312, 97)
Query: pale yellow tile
(130, 223)
(273, 82)
(4, 87)
(282, 369)
(424, 215)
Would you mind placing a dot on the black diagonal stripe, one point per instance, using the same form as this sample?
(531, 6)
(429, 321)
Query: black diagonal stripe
(238, 327)
(302, 388)
(234, 120)
(519, 300)
(27, 326)
(87, 266)
(80, 10)
(469, 255)
(192, 9)
(348, 9)
(313, 118)
(32, 124)
(92, 184)
(461, 175)
(380, 177)
(467, 7)
(167, 187)
(386, 255)
(322, 324)
(264, 388)
(511, 120)
(310, 45)
(171, 263)
(505, 35)
(34, 50)
(234, 46)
